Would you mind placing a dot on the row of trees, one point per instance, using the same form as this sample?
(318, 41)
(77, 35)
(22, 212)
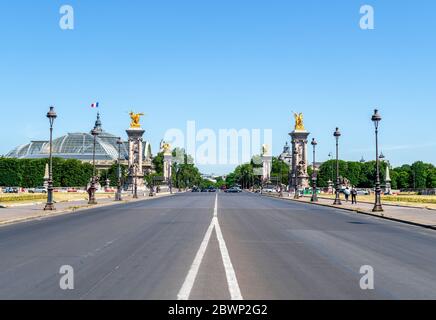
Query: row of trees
(419, 175)
(248, 174)
(184, 173)
(29, 173)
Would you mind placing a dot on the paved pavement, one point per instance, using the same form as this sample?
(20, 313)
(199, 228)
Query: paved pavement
(216, 246)
(414, 215)
(23, 212)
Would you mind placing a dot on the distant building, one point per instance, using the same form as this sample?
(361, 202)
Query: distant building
(80, 146)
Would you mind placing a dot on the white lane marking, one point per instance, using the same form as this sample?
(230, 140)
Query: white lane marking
(185, 291)
(232, 282)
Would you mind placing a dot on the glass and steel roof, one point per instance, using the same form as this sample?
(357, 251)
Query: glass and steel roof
(78, 146)
(74, 145)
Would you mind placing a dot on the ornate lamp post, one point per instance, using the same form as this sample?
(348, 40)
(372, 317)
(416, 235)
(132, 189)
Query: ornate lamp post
(92, 189)
(118, 196)
(314, 194)
(135, 170)
(51, 115)
(337, 134)
(376, 118)
(135, 188)
(295, 175)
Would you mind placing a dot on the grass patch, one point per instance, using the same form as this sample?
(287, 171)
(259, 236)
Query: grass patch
(412, 199)
(22, 197)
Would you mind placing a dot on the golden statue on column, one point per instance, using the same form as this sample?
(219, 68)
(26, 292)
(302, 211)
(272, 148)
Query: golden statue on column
(299, 125)
(135, 117)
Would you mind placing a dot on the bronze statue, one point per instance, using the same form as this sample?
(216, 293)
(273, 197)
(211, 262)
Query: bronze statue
(135, 119)
(166, 147)
(265, 149)
(299, 125)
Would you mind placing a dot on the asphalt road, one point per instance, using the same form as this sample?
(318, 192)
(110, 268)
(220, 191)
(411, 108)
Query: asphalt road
(245, 247)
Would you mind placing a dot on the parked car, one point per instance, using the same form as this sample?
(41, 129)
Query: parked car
(195, 189)
(38, 190)
(211, 189)
(11, 190)
(233, 190)
(269, 189)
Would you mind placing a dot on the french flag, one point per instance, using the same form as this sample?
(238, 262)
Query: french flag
(94, 105)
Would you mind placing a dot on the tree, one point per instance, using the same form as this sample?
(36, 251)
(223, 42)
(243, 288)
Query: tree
(280, 170)
(74, 173)
(431, 178)
(353, 172)
(112, 174)
(10, 172)
(158, 163)
(419, 175)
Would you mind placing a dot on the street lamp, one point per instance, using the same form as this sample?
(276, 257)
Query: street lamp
(295, 175)
(135, 188)
(376, 118)
(314, 195)
(92, 189)
(170, 176)
(118, 196)
(337, 134)
(331, 161)
(51, 115)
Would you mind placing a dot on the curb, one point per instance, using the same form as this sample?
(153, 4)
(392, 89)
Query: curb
(4, 206)
(427, 226)
(74, 210)
(389, 204)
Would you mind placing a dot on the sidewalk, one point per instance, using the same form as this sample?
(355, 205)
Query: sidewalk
(35, 211)
(411, 215)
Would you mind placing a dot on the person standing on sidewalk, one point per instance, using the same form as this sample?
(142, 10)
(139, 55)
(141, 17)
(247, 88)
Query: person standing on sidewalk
(346, 193)
(353, 195)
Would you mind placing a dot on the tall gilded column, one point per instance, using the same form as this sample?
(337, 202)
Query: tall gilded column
(135, 133)
(299, 146)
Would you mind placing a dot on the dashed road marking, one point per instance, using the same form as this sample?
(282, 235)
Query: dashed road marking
(232, 282)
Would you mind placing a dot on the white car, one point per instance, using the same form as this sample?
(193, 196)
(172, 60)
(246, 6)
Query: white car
(38, 190)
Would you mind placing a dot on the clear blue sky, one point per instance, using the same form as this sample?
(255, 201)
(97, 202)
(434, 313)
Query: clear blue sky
(224, 64)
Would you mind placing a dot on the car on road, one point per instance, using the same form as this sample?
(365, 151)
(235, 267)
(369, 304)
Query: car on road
(233, 190)
(362, 192)
(211, 189)
(269, 189)
(195, 189)
(11, 190)
(38, 190)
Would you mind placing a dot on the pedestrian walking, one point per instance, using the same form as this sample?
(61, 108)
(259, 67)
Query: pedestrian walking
(353, 196)
(347, 193)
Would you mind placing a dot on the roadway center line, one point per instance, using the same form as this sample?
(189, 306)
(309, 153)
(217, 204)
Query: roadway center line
(232, 282)
(185, 291)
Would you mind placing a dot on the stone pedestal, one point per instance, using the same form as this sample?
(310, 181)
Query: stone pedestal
(299, 158)
(266, 168)
(331, 188)
(168, 169)
(46, 177)
(388, 187)
(136, 174)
